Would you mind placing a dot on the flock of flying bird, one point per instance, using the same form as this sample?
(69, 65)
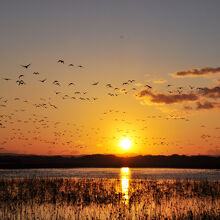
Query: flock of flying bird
(77, 132)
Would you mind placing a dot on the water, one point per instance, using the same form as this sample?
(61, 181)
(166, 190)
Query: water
(114, 173)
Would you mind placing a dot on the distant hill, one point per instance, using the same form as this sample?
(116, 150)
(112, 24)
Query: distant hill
(12, 161)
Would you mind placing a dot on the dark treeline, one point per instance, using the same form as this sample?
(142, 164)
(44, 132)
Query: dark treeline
(99, 160)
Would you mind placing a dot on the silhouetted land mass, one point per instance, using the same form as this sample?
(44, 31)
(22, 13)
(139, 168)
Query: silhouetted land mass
(12, 161)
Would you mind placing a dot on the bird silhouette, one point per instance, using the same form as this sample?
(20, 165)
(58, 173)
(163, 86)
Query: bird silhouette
(20, 82)
(125, 83)
(21, 76)
(95, 83)
(131, 80)
(43, 80)
(26, 66)
(36, 73)
(6, 79)
(148, 86)
(52, 105)
(55, 82)
(71, 84)
(60, 61)
(71, 64)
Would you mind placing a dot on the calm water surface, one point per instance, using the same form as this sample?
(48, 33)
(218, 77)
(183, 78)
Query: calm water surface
(115, 173)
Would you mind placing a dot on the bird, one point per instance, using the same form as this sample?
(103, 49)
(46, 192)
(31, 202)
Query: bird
(36, 73)
(43, 80)
(71, 84)
(55, 82)
(21, 76)
(148, 86)
(60, 61)
(52, 105)
(80, 66)
(26, 66)
(20, 82)
(95, 83)
(6, 79)
(131, 80)
(125, 83)
(71, 64)
(199, 88)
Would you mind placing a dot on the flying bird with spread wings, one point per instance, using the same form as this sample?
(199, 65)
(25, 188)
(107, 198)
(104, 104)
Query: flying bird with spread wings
(95, 83)
(60, 61)
(43, 80)
(26, 66)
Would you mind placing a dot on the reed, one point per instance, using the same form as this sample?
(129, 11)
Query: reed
(70, 198)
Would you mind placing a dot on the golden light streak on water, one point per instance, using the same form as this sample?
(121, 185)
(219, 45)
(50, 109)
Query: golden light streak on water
(125, 177)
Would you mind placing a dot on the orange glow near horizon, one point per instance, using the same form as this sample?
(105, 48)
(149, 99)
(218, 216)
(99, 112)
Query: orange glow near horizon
(110, 94)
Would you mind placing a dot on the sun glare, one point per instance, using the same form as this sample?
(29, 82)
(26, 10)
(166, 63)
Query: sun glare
(125, 143)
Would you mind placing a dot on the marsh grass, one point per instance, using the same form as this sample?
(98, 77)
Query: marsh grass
(69, 198)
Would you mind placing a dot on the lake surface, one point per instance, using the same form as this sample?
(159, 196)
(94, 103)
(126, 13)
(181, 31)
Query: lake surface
(114, 173)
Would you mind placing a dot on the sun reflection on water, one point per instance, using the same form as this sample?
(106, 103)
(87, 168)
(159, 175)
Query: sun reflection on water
(125, 176)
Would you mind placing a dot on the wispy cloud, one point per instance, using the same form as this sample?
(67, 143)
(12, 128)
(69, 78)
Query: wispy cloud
(197, 72)
(211, 92)
(207, 105)
(158, 98)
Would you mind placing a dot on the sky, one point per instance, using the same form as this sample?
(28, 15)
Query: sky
(143, 70)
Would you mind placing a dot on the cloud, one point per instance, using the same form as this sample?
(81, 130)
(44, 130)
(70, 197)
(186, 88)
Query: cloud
(160, 81)
(211, 92)
(147, 95)
(197, 72)
(207, 105)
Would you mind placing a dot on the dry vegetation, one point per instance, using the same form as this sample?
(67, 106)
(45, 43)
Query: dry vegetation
(68, 198)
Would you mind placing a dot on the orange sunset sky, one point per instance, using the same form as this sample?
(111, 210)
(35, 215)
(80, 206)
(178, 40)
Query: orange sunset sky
(148, 71)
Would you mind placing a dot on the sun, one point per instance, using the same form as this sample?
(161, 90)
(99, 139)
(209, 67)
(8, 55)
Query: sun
(125, 143)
